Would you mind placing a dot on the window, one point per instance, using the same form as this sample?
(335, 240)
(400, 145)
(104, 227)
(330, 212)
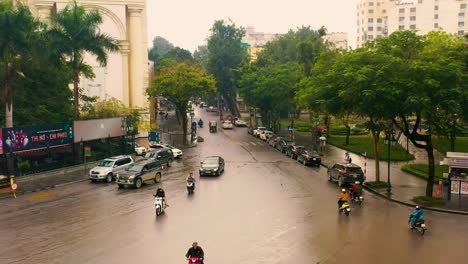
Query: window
(420, 1)
(378, 3)
(401, 10)
(462, 6)
(413, 9)
(370, 29)
(436, 7)
(370, 20)
(379, 20)
(413, 27)
(401, 19)
(461, 24)
(371, 3)
(436, 16)
(384, 11)
(401, 27)
(358, 39)
(371, 11)
(370, 37)
(379, 28)
(460, 15)
(461, 32)
(436, 25)
(379, 36)
(412, 18)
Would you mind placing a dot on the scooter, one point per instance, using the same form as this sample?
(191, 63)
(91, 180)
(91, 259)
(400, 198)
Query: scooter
(190, 187)
(420, 226)
(194, 260)
(345, 208)
(159, 205)
(357, 199)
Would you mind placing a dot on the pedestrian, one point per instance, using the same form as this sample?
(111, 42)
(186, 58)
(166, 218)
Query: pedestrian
(166, 115)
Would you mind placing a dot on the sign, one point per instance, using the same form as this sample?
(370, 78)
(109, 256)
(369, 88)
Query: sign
(455, 188)
(290, 128)
(19, 139)
(87, 152)
(363, 153)
(154, 136)
(460, 162)
(87, 130)
(14, 186)
(464, 187)
(1, 142)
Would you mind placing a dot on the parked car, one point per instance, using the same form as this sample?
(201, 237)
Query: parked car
(227, 124)
(274, 140)
(175, 151)
(108, 168)
(240, 123)
(140, 150)
(293, 151)
(210, 109)
(283, 145)
(309, 158)
(212, 166)
(264, 135)
(139, 172)
(345, 173)
(164, 155)
(257, 131)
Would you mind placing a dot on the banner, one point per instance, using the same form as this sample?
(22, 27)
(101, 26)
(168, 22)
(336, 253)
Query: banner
(19, 139)
(1, 142)
(86, 130)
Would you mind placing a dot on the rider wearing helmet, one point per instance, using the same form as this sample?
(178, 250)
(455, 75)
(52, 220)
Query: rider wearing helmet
(356, 190)
(343, 198)
(161, 193)
(417, 216)
(195, 252)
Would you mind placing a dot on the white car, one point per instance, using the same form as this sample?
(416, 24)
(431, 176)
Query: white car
(264, 135)
(257, 131)
(227, 124)
(240, 123)
(175, 151)
(140, 150)
(107, 169)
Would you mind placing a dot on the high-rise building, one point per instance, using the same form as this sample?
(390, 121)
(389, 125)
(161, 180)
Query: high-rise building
(338, 40)
(379, 18)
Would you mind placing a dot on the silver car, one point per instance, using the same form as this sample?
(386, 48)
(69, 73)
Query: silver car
(108, 168)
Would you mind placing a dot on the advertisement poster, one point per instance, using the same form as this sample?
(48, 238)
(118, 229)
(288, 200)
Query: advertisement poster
(19, 139)
(464, 187)
(87, 130)
(1, 142)
(455, 188)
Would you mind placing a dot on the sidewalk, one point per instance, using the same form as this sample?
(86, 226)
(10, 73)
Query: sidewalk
(404, 185)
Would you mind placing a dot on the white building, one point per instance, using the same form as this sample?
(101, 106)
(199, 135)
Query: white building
(379, 18)
(126, 76)
(338, 40)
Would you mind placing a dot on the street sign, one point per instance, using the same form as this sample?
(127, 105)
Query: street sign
(363, 153)
(153, 136)
(87, 151)
(290, 128)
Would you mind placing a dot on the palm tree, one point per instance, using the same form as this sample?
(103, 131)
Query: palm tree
(18, 32)
(75, 32)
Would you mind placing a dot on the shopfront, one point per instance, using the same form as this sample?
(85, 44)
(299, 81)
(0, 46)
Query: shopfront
(458, 171)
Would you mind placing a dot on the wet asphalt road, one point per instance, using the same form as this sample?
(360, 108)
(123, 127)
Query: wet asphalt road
(265, 208)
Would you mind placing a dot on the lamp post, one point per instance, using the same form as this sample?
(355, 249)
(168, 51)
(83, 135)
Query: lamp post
(192, 130)
(292, 114)
(389, 139)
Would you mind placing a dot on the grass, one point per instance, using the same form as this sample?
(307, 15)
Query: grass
(428, 201)
(336, 127)
(442, 144)
(422, 170)
(357, 144)
(376, 184)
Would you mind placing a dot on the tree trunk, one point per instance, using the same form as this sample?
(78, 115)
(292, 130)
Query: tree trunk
(183, 115)
(9, 115)
(348, 133)
(327, 124)
(431, 164)
(376, 138)
(231, 103)
(76, 95)
(452, 137)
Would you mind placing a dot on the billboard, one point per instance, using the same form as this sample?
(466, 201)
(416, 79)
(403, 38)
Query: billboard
(1, 142)
(19, 139)
(87, 130)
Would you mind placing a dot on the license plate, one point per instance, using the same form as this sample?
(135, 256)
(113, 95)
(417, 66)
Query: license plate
(314, 159)
(423, 225)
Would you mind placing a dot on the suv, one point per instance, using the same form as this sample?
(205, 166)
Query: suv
(164, 155)
(108, 168)
(293, 151)
(283, 145)
(345, 173)
(139, 172)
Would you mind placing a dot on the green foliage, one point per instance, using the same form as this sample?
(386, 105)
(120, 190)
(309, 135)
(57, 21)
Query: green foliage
(23, 165)
(442, 144)
(161, 46)
(428, 201)
(201, 56)
(172, 57)
(365, 143)
(300, 125)
(376, 184)
(422, 170)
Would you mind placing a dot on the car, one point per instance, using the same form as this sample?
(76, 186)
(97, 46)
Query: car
(164, 155)
(240, 123)
(108, 168)
(274, 140)
(293, 151)
(227, 124)
(345, 173)
(210, 109)
(202, 104)
(257, 131)
(175, 151)
(140, 150)
(213, 165)
(308, 158)
(140, 172)
(283, 145)
(264, 135)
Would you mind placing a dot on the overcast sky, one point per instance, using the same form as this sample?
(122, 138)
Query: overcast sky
(186, 23)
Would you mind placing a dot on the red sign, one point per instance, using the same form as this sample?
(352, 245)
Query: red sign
(1, 142)
(87, 151)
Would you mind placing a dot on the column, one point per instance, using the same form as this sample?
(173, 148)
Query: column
(44, 9)
(136, 56)
(124, 51)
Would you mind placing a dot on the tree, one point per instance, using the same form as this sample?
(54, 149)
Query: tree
(75, 33)
(225, 55)
(19, 32)
(179, 84)
(161, 46)
(201, 56)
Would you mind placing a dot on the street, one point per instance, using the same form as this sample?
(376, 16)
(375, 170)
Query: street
(265, 208)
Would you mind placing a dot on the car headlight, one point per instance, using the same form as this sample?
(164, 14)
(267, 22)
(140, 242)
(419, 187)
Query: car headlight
(131, 177)
(216, 169)
(117, 175)
(201, 169)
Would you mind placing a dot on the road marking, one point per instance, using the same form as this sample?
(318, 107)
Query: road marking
(253, 143)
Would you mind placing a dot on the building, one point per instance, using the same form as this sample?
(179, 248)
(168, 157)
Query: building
(379, 18)
(126, 76)
(338, 40)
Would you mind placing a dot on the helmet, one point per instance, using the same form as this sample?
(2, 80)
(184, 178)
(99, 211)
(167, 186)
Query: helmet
(417, 207)
(343, 190)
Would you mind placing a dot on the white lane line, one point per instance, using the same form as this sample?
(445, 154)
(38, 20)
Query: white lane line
(253, 143)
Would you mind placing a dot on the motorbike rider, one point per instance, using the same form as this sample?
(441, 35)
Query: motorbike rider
(416, 216)
(343, 198)
(356, 190)
(191, 179)
(162, 194)
(200, 122)
(195, 252)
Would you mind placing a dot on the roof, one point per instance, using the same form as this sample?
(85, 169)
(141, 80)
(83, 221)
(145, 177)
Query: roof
(118, 157)
(349, 165)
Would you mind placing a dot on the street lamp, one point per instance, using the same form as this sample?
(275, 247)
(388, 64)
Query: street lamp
(192, 130)
(251, 110)
(292, 114)
(390, 141)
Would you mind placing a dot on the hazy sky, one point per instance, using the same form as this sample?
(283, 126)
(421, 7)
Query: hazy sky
(187, 23)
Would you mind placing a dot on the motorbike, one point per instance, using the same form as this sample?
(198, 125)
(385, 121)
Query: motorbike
(200, 124)
(159, 205)
(194, 260)
(345, 208)
(420, 226)
(357, 199)
(190, 187)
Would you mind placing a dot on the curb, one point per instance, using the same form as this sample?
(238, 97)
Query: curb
(447, 211)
